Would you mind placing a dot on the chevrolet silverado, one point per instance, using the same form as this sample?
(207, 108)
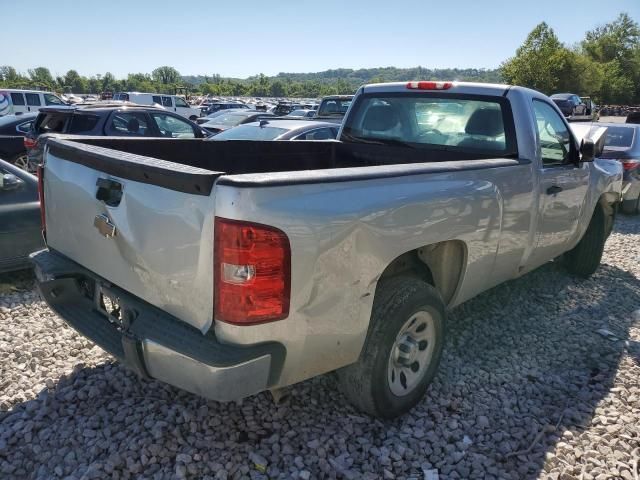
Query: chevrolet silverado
(230, 268)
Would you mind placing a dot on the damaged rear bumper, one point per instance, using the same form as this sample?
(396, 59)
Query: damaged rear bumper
(151, 342)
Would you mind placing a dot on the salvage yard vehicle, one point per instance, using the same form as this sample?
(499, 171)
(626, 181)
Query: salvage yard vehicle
(229, 268)
(13, 129)
(20, 224)
(173, 103)
(335, 105)
(109, 119)
(233, 118)
(572, 106)
(280, 128)
(17, 102)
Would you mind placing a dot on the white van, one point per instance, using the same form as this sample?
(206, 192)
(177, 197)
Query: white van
(17, 102)
(173, 103)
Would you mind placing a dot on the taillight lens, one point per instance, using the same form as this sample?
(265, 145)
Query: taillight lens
(630, 164)
(429, 85)
(40, 172)
(29, 142)
(252, 265)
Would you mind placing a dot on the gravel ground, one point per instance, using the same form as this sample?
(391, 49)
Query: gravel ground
(540, 379)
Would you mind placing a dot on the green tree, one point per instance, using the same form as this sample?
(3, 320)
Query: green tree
(41, 76)
(539, 62)
(166, 75)
(277, 89)
(74, 82)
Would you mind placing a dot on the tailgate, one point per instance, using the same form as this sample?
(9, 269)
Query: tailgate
(162, 247)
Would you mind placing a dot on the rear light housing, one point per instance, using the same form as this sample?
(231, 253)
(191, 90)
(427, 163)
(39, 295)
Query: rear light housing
(429, 85)
(252, 272)
(40, 173)
(29, 142)
(630, 164)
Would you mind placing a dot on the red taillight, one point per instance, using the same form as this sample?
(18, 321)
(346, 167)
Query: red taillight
(429, 85)
(40, 172)
(29, 142)
(630, 164)
(252, 265)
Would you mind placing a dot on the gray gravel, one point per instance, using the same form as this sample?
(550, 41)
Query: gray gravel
(540, 379)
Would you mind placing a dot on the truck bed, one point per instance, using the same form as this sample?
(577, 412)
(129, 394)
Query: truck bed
(196, 164)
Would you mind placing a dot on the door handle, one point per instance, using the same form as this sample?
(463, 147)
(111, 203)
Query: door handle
(552, 190)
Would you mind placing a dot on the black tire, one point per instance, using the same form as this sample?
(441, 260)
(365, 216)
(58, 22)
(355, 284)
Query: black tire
(584, 259)
(193, 118)
(366, 383)
(631, 207)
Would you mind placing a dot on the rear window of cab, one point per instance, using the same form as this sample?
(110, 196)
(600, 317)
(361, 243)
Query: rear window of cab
(453, 122)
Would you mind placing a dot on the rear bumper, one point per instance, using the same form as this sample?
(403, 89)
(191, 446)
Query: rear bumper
(151, 342)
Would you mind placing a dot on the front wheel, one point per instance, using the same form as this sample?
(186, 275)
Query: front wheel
(584, 259)
(402, 350)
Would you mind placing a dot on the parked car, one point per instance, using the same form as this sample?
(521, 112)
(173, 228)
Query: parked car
(570, 104)
(592, 108)
(107, 120)
(17, 102)
(217, 106)
(285, 108)
(213, 115)
(633, 117)
(280, 129)
(304, 113)
(622, 143)
(13, 128)
(223, 122)
(334, 105)
(172, 103)
(20, 225)
(238, 267)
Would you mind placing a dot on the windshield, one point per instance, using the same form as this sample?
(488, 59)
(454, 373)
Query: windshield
(251, 132)
(228, 120)
(619, 137)
(446, 123)
(334, 107)
(560, 102)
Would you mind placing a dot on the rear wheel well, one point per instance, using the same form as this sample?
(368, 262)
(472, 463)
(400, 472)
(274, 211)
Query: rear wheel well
(439, 264)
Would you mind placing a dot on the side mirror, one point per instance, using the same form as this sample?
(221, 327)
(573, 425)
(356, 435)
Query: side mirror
(593, 144)
(587, 150)
(8, 181)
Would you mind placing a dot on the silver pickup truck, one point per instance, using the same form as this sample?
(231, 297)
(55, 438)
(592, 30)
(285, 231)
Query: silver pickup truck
(230, 268)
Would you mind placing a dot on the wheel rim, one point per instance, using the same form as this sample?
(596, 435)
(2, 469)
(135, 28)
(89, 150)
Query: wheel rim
(22, 162)
(411, 354)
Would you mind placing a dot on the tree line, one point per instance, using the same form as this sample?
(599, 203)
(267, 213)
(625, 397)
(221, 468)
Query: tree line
(604, 65)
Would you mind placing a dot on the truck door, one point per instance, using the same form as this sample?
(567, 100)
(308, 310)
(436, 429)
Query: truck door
(563, 182)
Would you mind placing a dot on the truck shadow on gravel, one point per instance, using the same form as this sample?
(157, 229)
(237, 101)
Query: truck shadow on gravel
(524, 363)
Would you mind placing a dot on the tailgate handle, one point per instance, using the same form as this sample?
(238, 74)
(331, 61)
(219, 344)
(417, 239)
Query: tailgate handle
(109, 191)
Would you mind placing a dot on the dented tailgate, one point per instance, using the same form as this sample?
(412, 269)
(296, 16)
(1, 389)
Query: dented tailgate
(144, 224)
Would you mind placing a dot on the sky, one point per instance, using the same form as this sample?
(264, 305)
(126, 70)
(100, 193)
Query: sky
(247, 37)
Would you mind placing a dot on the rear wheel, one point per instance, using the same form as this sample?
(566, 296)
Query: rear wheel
(631, 207)
(402, 351)
(584, 259)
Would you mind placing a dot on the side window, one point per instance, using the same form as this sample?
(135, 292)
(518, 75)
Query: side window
(33, 99)
(173, 127)
(128, 124)
(555, 139)
(166, 102)
(83, 123)
(17, 99)
(181, 103)
(50, 99)
(25, 127)
(157, 99)
(318, 134)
